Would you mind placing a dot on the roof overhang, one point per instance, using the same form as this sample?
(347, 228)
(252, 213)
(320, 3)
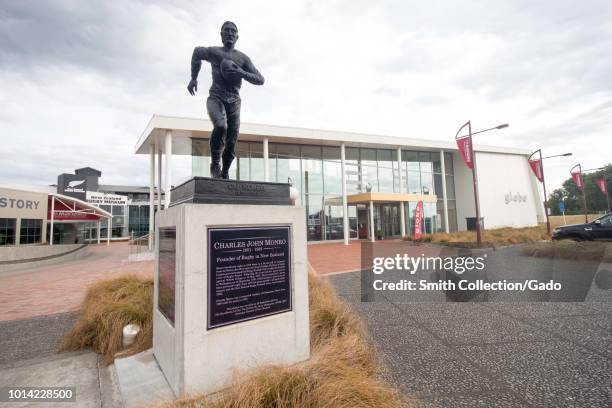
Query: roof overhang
(72, 209)
(184, 129)
(364, 198)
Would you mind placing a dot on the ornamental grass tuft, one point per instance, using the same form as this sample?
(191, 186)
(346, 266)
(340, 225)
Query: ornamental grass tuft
(342, 372)
(108, 307)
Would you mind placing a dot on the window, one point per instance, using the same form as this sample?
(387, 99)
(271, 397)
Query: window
(315, 216)
(241, 167)
(450, 187)
(312, 168)
(138, 220)
(30, 231)
(438, 190)
(257, 164)
(7, 231)
(369, 170)
(288, 166)
(414, 182)
(437, 164)
(606, 221)
(332, 170)
(427, 187)
(448, 163)
(411, 159)
(353, 184)
(426, 163)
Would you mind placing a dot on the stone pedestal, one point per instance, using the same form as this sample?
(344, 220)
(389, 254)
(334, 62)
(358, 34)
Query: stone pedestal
(231, 292)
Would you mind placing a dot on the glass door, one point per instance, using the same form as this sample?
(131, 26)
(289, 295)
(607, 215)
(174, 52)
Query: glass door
(390, 220)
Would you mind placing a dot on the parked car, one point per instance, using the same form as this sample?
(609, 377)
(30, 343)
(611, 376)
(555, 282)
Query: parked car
(599, 229)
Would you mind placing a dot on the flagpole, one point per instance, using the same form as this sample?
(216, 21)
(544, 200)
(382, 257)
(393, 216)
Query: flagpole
(583, 189)
(545, 196)
(472, 162)
(605, 180)
(586, 217)
(475, 180)
(605, 188)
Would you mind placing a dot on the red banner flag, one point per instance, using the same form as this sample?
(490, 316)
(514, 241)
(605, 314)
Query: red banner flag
(577, 176)
(536, 166)
(418, 221)
(465, 148)
(603, 186)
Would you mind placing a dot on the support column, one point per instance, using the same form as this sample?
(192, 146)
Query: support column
(99, 229)
(446, 223)
(108, 230)
(403, 218)
(372, 226)
(266, 161)
(345, 221)
(168, 154)
(52, 218)
(159, 175)
(399, 170)
(151, 196)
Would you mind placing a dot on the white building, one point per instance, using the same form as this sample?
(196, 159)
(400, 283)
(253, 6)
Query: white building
(350, 181)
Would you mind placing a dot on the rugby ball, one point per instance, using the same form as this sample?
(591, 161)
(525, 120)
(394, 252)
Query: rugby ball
(226, 66)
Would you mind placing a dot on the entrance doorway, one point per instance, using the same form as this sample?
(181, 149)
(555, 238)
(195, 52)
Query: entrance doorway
(386, 220)
(363, 222)
(390, 219)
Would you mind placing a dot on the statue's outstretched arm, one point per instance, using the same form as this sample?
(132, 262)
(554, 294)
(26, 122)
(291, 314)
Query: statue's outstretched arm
(251, 74)
(199, 54)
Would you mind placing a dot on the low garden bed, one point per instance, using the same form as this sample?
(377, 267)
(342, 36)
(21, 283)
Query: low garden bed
(343, 370)
(490, 238)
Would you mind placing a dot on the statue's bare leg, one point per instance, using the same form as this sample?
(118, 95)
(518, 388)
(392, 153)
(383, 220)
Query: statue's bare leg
(233, 127)
(216, 112)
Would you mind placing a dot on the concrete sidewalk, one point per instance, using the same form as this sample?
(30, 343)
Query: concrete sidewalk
(96, 386)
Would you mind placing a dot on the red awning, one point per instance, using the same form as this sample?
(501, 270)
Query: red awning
(72, 209)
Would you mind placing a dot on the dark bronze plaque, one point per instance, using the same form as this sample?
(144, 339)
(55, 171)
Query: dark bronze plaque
(167, 273)
(249, 273)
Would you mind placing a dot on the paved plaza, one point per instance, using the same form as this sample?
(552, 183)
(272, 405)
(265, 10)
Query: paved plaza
(496, 353)
(493, 353)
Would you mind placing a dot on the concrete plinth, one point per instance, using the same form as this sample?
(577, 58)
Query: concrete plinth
(195, 352)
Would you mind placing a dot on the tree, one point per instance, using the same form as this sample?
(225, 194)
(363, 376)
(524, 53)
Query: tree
(572, 196)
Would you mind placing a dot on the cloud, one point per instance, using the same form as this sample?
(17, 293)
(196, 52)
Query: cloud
(81, 79)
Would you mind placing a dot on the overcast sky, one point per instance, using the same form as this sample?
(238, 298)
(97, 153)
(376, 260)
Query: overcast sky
(79, 80)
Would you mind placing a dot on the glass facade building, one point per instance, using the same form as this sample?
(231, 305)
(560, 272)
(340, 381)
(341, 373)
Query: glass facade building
(316, 172)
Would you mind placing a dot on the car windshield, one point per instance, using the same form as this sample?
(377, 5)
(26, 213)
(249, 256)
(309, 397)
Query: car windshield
(605, 220)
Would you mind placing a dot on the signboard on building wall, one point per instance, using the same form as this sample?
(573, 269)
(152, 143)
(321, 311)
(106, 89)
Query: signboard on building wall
(22, 204)
(72, 185)
(98, 199)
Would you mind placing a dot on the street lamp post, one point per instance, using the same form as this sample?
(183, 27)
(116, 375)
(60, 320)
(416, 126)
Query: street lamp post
(467, 152)
(580, 185)
(605, 180)
(543, 180)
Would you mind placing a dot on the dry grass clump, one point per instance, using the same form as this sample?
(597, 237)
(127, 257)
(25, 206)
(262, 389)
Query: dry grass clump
(492, 237)
(342, 371)
(578, 251)
(107, 308)
(558, 220)
(336, 376)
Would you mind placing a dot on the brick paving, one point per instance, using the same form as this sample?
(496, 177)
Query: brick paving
(335, 257)
(61, 288)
